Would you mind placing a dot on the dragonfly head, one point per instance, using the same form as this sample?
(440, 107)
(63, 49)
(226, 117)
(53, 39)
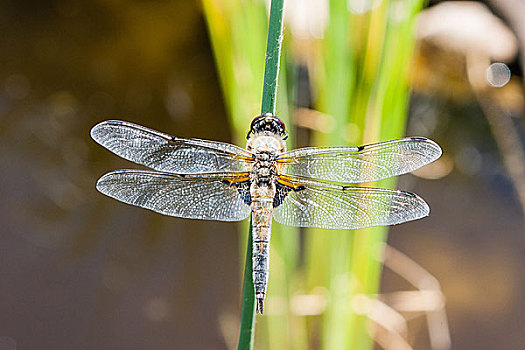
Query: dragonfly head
(267, 124)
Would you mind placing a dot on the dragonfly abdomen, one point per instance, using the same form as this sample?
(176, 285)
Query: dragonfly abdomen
(262, 210)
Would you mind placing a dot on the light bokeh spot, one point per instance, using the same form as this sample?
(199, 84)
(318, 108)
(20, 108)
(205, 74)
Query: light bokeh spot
(157, 309)
(497, 74)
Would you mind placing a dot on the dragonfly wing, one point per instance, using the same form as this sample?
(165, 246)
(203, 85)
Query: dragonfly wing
(204, 196)
(315, 204)
(360, 164)
(163, 152)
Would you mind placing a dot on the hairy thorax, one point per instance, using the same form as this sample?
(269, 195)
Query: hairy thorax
(265, 148)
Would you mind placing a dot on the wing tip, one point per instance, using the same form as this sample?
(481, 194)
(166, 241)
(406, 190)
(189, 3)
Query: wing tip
(420, 205)
(94, 132)
(99, 185)
(438, 151)
(424, 210)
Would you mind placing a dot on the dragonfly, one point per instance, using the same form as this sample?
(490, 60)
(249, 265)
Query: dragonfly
(304, 187)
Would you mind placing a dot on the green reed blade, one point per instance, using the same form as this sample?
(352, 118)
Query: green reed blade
(367, 54)
(238, 31)
(273, 57)
(247, 329)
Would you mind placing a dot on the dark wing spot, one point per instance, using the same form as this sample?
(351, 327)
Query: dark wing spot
(281, 191)
(418, 139)
(360, 148)
(244, 190)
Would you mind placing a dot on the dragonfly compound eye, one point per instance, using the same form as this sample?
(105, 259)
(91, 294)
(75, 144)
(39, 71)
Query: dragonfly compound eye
(267, 124)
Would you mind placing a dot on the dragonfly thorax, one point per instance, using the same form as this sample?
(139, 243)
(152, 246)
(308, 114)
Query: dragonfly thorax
(270, 144)
(265, 149)
(263, 172)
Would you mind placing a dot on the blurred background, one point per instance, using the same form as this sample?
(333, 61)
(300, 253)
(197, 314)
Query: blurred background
(81, 271)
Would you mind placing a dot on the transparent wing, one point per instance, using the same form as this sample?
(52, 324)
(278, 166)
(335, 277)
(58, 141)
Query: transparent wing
(315, 204)
(360, 164)
(205, 196)
(163, 152)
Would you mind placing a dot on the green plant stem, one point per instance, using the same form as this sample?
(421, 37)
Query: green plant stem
(247, 331)
(269, 97)
(273, 56)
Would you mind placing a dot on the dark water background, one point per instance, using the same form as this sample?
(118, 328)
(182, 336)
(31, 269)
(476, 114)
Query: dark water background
(81, 271)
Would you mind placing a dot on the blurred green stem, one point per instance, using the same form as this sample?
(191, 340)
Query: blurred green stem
(247, 331)
(269, 96)
(273, 56)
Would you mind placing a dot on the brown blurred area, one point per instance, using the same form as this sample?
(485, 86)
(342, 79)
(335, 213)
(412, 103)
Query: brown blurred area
(473, 242)
(78, 270)
(81, 271)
